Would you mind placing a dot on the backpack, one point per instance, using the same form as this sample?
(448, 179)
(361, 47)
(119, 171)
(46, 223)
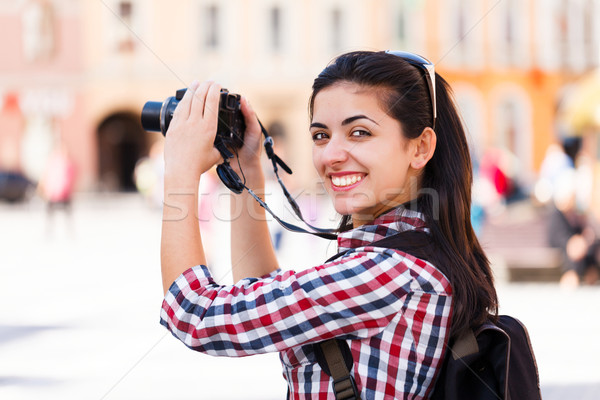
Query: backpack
(495, 361)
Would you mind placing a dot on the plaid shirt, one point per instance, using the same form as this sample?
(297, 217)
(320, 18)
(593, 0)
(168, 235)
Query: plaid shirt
(392, 308)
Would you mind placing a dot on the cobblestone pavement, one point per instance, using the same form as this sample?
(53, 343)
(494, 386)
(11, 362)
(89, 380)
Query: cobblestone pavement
(79, 317)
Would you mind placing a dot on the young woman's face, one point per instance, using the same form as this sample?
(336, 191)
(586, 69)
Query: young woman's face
(360, 152)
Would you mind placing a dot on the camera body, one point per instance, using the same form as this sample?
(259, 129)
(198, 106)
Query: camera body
(157, 116)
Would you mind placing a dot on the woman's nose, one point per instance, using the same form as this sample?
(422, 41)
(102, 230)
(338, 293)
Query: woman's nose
(334, 152)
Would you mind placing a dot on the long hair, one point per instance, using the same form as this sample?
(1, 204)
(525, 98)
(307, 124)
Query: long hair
(447, 178)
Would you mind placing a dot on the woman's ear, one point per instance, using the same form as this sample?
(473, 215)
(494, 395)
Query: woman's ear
(424, 147)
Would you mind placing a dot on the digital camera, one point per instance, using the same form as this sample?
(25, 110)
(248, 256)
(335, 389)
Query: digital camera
(157, 116)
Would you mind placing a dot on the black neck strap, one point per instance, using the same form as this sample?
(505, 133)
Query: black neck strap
(233, 182)
(275, 160)
(322, 233)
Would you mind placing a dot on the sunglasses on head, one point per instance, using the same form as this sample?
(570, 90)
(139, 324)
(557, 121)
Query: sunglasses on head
(428, 70)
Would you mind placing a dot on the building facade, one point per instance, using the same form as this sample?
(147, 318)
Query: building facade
(80, 72)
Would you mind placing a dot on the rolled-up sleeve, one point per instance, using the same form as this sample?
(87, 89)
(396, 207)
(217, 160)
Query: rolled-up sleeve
(355, 297)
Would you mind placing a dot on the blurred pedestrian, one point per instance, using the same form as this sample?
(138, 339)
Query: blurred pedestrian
(573, 232)
(559, 157)
(148, 175)
(57, 184)
(498, 169)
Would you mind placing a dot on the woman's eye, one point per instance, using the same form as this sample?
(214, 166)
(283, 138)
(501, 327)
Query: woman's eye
(319, 136)
(360, 132)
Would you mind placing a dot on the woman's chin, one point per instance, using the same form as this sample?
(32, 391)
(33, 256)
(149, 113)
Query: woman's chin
(349, 209)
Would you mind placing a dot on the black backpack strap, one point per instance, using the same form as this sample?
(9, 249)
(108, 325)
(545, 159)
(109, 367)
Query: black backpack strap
(335, 359)
(333, 355)
(416, 243)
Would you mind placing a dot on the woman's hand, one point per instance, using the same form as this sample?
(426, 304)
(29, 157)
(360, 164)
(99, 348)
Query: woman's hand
(189, 143)
(249, 153)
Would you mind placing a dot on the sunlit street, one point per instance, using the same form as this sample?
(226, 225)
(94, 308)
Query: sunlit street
(81, 301)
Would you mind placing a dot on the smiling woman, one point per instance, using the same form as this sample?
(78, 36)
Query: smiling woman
(392, 177)
(352, 128)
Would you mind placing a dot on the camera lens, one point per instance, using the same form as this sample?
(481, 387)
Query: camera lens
(151, 116)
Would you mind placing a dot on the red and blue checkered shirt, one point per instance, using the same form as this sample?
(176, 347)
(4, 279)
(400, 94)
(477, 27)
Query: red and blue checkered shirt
(392, 308)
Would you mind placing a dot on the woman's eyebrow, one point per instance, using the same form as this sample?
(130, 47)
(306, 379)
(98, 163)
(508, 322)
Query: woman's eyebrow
(347, 121)
(354, 118)
(318, 125)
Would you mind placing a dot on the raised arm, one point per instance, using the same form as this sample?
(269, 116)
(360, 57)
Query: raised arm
(189, 152)
(252, 253)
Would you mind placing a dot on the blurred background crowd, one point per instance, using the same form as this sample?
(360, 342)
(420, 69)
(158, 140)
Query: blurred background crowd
(74, 76)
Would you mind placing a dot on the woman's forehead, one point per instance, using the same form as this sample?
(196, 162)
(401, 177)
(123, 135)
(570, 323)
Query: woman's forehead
(339, 100)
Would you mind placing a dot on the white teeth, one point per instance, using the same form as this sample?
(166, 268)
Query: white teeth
(345, 180)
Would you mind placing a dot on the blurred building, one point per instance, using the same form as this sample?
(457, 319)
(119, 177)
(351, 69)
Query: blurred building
(81, 71)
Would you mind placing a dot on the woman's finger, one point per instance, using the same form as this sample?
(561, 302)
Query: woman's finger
(183, 108)
(211, 106)
(199, 100)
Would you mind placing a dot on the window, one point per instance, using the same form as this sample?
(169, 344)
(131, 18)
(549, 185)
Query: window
(461, 34)
(408, 25)
(511, 35)
(573, 25)
(563, 32)
(591, 32)
(211, 23)
(509, 32)
(38, 26)
(462, 40)
(275, 28)
(401, 23)
(336, 29)
(125, 43)
(512, 122)
(125, 10)
(470, 101)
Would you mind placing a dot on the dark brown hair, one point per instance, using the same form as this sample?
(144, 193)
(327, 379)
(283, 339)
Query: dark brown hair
(403, 93)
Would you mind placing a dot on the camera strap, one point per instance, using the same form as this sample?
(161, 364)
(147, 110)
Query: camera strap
(322, 233)
(233, 182)
(275, 160)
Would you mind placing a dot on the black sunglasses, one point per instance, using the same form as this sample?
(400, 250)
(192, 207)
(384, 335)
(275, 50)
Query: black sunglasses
(428, 70)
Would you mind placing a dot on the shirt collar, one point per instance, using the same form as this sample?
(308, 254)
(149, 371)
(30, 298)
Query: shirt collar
(392, 222)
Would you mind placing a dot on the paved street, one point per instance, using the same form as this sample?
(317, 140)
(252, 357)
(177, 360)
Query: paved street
(80, 304)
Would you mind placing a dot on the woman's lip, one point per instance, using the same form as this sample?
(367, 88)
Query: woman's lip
(344, 173)
(346, 188)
